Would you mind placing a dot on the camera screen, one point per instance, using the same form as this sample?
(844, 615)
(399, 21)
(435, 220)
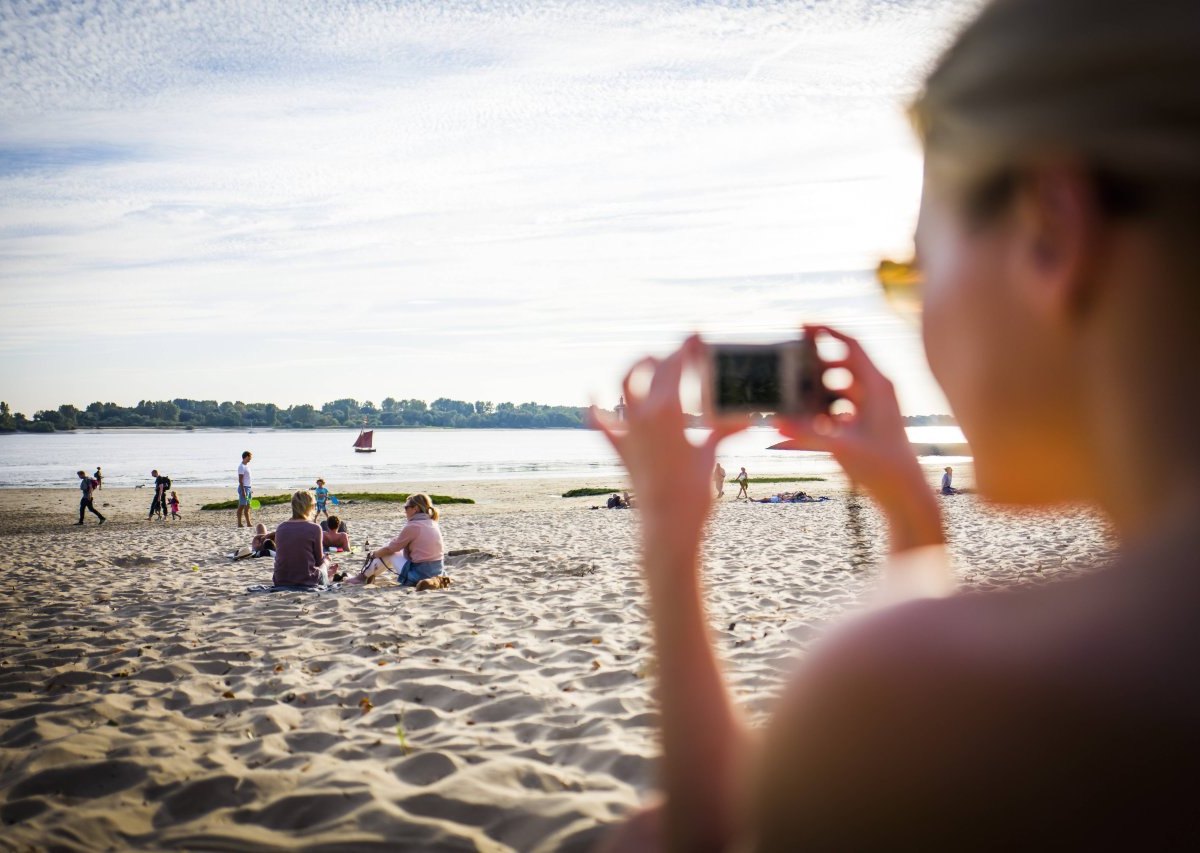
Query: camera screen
(748, 380)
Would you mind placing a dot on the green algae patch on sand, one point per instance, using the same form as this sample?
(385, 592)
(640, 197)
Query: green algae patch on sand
(348, 497)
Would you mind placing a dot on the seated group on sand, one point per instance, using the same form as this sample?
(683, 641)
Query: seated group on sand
(334, 535)
(299, 546)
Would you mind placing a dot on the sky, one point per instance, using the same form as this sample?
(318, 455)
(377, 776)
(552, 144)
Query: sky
(292, 202)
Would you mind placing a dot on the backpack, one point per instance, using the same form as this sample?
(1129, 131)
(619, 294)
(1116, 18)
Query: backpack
(166, 484)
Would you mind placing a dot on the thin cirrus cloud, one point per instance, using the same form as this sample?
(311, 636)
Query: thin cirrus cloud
(303, 201)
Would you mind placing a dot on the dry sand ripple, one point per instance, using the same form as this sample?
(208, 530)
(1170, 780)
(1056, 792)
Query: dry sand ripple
(147, 704)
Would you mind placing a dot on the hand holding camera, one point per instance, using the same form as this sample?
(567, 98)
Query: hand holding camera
(870, 444)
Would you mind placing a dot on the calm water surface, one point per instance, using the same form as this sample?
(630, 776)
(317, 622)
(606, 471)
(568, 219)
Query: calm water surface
(293, 458)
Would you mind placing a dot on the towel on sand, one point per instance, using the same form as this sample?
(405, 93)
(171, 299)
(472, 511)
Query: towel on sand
(268, 587)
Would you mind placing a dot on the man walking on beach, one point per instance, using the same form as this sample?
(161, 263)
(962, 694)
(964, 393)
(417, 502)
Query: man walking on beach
(243, 474)
(719, 480)
(158, 503)
(86, 487)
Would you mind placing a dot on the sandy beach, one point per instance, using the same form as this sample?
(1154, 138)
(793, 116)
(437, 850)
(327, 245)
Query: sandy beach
(149, 701)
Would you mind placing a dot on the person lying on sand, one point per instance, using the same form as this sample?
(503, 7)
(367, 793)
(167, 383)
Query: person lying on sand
(1056, 239)
(416, 553)
(263, 543)
(790, 498)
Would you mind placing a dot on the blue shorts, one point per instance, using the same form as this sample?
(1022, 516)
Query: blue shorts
(410, 573)
(243, 496)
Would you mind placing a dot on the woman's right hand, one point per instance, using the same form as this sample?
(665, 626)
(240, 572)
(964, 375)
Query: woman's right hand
(671, 477)
(872, 447)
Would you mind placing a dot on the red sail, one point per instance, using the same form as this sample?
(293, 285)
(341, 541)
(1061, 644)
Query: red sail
(364, 438)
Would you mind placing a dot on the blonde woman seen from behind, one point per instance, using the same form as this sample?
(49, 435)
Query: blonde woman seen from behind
(299, 553)
(1061, 292)
(416, 552)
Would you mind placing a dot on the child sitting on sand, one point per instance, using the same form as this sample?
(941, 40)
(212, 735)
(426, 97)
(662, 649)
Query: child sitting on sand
(174, 504)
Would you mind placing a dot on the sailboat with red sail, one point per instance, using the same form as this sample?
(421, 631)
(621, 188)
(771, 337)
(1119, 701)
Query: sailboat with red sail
(363, 444)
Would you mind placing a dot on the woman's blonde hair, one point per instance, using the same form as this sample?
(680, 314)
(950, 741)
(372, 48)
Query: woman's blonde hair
(1111, 84)
(422, 503)
(303, 504)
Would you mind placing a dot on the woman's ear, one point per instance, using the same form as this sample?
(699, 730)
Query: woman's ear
(1057, 248)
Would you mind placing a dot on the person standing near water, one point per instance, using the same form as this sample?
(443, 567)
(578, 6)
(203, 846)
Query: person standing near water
(99, 478)
(322, 495)
(86, 487)
(719, 480)
(244, 493)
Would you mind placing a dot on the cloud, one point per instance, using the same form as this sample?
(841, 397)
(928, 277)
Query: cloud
(549, 176)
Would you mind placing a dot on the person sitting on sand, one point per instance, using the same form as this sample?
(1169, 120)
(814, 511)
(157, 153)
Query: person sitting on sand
(263, 543)
(342, 526)
(947, 480)
(334, 536)
(1056, 239)
(615, 502)
(416, 553)
(629, 501)
(299, 555)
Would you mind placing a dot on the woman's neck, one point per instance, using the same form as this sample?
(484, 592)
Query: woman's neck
(1147, 461)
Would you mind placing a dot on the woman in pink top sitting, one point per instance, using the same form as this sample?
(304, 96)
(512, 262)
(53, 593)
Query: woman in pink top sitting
(416, 553)
(299, 552)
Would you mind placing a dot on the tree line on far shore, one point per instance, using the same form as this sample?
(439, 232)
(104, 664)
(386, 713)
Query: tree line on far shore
(193, 414)
(347, 412)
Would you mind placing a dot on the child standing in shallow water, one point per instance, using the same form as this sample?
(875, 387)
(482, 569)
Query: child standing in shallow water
(174, 504)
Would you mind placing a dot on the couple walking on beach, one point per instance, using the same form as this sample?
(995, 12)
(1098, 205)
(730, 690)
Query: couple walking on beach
(742, 479)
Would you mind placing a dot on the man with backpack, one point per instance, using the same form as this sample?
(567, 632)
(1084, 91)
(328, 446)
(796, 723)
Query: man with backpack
(86, 486)
(158, 504)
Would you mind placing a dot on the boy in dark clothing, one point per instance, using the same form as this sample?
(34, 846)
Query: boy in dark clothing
(86, 487)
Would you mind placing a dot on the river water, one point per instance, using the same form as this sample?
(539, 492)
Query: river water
(292, 458)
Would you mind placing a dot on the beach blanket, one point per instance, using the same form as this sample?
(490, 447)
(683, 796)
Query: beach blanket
(269, 587)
